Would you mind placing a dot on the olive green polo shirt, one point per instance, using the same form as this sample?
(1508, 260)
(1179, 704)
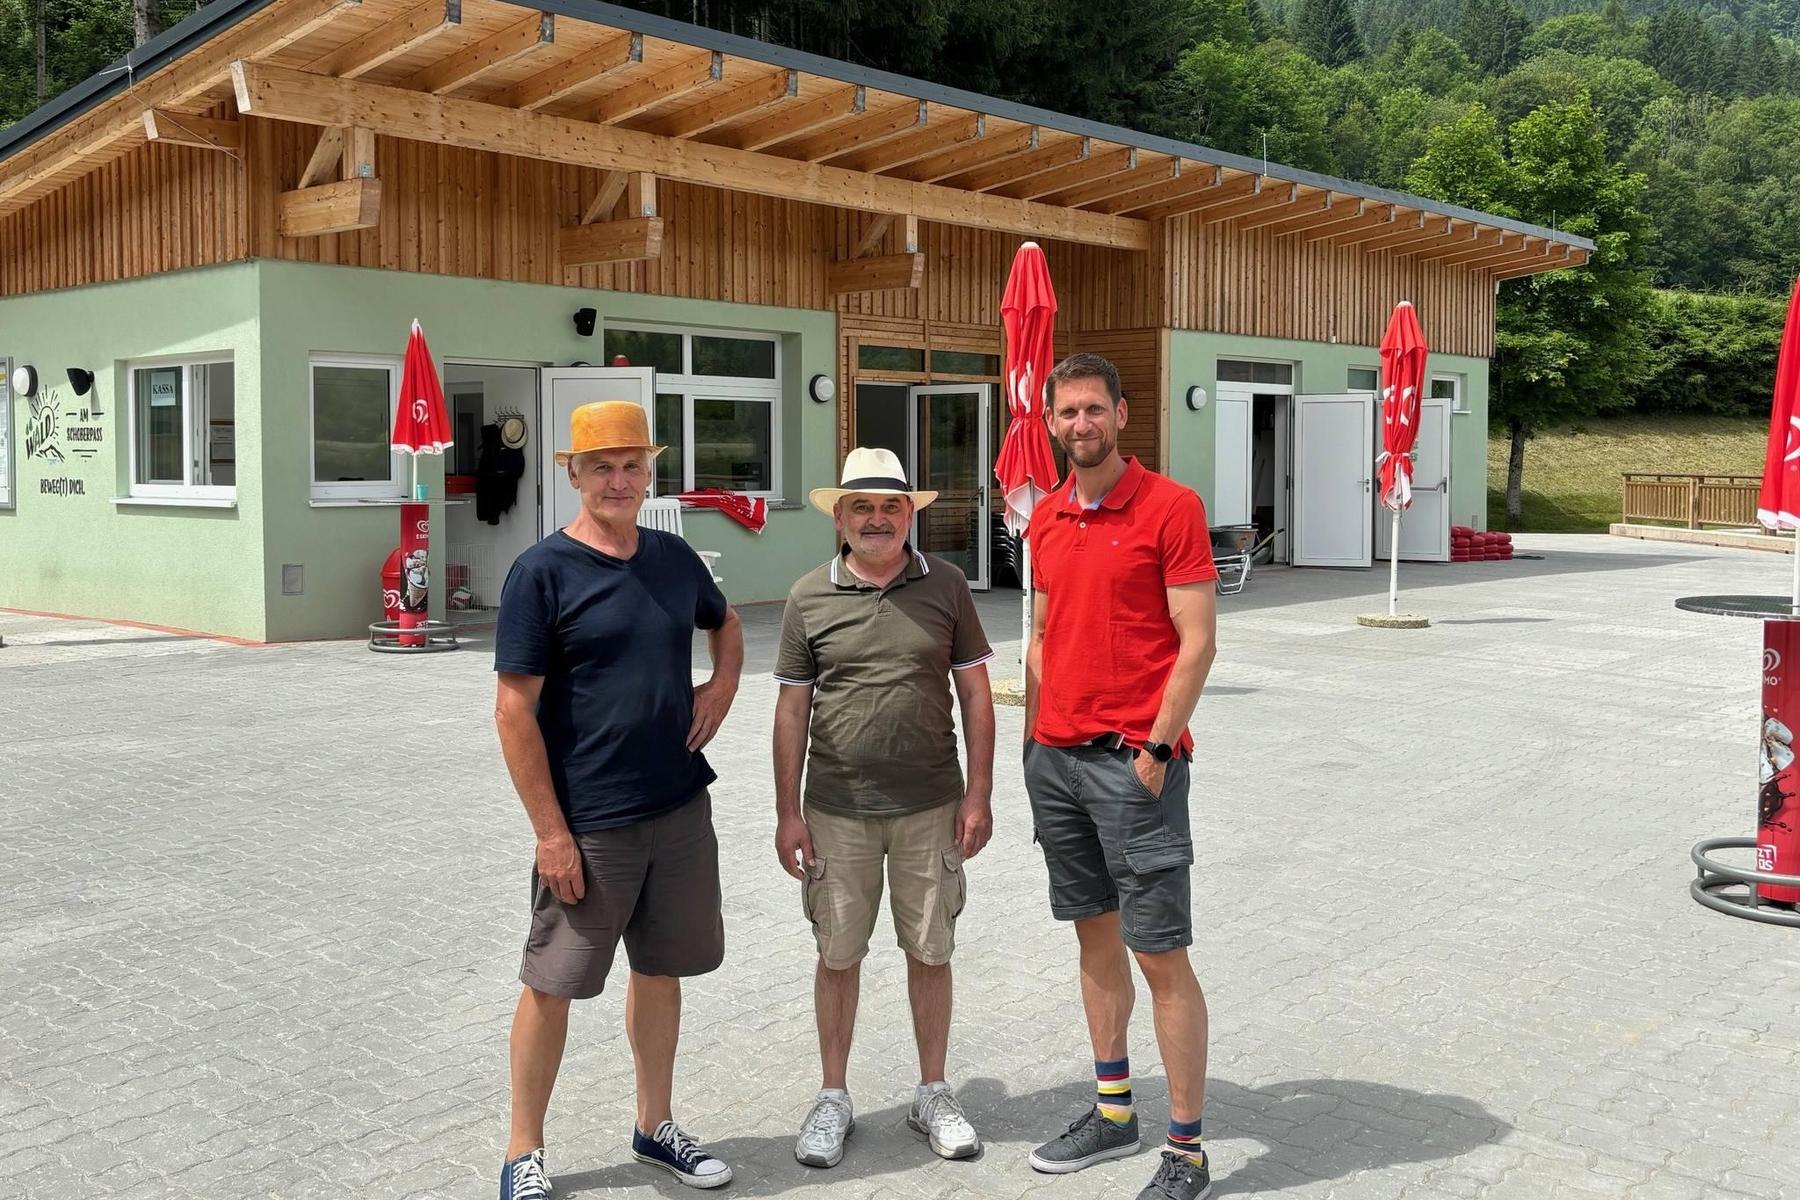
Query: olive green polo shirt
(883, 739)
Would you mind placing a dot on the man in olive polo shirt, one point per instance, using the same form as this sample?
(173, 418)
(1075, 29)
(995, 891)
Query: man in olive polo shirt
(870, 644)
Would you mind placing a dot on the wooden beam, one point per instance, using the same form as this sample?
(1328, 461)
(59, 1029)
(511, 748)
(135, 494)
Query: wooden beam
(329, 208)
(1340, 208)
(1197, 182)
(1377, 219)
(988, 148)
(361, 55)
(1545, 252)
(610, 241)
(1403, 223)
(186, 129)
(702, 71)
(911, 147)
(469, 64)
(1272, 198)
(870, 130)
(265, 90)
(358, 161)
(887, 272)
(113, 126)
(1538, 265)
(1210, 199)
(553, 83)
(325, 157)
(909, 234)
(715, 111)
(1481, 244)
(1124, 183)
(1307, 202)
(1103, 165)
(873, 235)
(1505, 256)
(1435, 230)
(1023, 166)
(612, 186)
(793, 120)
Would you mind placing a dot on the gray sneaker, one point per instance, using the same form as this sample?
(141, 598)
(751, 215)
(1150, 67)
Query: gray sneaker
(1178, 1178)
(1091, 1139)
(822, 1134)
(936, 1114)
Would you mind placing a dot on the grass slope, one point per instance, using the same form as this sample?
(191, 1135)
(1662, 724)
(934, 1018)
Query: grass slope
(1572, 475)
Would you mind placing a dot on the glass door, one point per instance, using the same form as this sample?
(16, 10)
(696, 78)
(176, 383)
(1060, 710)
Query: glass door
(948, 434)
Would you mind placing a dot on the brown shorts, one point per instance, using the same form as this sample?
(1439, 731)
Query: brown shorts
(926, 887)
(654, 884)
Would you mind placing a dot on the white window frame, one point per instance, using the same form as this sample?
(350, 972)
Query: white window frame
(1288, 388)
(690, 387)
(1374, 391)
(193, 439)
(392, 488)
(1458, 398)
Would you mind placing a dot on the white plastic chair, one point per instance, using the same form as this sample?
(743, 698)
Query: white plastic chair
(659, 513)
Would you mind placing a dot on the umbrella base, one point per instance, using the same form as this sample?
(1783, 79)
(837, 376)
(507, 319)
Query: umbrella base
(1737, 891)
(427, 637)
(1394, 621)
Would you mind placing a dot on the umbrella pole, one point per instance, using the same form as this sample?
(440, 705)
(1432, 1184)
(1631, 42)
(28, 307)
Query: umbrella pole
(1025, 613)
(1795, 602)
(1394, 565)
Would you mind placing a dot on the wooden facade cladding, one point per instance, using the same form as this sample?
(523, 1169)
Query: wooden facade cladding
(161, 207)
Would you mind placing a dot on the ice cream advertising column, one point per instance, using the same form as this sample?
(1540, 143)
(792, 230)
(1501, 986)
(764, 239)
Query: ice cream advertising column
(1778, 796)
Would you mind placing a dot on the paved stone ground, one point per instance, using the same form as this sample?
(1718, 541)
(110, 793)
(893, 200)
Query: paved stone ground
(262, 909)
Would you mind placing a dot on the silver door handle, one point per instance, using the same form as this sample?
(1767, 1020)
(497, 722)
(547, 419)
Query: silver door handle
(1365, 484)
(1443, 485)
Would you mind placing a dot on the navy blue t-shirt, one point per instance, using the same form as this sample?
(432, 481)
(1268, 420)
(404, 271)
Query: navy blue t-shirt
(613, 639)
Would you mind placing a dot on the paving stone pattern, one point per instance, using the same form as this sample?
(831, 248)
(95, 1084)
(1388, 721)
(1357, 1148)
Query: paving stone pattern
(262, 911)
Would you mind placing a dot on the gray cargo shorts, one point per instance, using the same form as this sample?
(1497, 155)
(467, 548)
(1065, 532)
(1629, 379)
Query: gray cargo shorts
(1111, 845)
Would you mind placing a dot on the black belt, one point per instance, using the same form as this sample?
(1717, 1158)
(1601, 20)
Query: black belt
(1116, 741)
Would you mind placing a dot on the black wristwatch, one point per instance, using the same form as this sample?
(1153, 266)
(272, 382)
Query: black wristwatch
(1162, 752)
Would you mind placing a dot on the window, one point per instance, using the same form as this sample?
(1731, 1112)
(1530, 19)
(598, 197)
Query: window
(1449, 387)
(889, 358)
(964, 362)
(1243, 371)
(182, 420)
(353, 427)
(1365, 379)
(717, 406)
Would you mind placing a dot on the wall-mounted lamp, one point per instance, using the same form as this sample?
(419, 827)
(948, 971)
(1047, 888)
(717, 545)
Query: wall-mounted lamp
(1196, 398)
(24, 380)
(80, 380)
(822, 389)
(584, 321)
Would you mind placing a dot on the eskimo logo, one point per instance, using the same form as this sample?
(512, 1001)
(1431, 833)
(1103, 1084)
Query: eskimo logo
(1771, 664)
(40, 429)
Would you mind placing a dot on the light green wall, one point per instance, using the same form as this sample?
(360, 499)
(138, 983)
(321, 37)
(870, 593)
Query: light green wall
(193, 568)
(1320, 367)
(309, 308)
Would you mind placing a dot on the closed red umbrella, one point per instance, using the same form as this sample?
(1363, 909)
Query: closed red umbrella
(1778, 504)
(1025, 468)
(1403, 354)
(421, 426)
(1778, 507)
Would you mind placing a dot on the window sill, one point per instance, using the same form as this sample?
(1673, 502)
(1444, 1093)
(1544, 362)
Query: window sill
(361, 501)
(172, 502)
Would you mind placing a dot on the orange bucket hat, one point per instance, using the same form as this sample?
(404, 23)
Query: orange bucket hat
(608, 425)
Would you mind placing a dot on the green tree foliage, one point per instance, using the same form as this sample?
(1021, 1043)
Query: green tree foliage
(1326, 30)
(1492, 34)
(1710, 354)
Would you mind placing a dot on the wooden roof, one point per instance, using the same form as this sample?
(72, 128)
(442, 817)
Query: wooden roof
(587, 83)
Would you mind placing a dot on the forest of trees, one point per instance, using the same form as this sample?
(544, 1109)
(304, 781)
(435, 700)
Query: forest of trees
(1667, 130)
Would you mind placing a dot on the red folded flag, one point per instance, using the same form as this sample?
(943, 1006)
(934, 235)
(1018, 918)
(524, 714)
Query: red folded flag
(752, 512)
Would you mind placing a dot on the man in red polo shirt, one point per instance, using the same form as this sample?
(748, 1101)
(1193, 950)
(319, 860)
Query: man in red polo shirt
(1122, 638)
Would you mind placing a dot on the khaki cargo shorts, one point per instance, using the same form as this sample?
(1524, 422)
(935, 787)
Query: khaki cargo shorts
(842, 891)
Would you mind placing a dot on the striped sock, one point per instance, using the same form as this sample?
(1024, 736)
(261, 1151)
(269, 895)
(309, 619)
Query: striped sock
(1112, 1088)
(1184, 1139)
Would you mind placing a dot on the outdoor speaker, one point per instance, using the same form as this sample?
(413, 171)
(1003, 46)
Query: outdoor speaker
(80, 380)
(584, 321)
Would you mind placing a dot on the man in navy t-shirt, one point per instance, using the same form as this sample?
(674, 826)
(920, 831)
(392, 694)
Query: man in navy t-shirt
(602, 728)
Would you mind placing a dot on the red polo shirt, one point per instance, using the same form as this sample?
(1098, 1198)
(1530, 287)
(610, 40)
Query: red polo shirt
(1109, 644)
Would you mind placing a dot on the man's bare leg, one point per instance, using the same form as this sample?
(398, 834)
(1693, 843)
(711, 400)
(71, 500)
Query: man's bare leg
(835, 995)
(1180, 1013)
(929, 988)
(1107, 993)
(653, 1026)
(539, 1031)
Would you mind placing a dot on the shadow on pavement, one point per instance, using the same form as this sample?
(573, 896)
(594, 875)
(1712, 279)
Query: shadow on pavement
(1321, 1129)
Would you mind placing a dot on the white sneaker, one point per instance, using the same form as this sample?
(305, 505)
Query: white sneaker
(936, 1114)
(822, 1134)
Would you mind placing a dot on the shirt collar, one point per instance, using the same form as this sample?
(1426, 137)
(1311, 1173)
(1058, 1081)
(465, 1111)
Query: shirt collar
(1117, 497)
(843, 577)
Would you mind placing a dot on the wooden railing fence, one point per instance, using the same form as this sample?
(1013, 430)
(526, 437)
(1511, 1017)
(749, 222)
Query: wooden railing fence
(1691, 500)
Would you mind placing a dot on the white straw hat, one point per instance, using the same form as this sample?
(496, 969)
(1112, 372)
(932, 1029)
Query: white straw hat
(869, 472)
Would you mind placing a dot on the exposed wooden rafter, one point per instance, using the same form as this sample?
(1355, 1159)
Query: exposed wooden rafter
(1375, 218)
(1124, 183)
(911, 147)
(868, 130)
(186, 129)
(714, 111)
(1507, 255)
(1343, 210)
(1097, 165)
(1235, 192)
(1021, 167)
(1481, 244)
(703, 71)
(281, 93)
(641, 185)
(361, 55)
(1534, 264)
(988, 148)
(1307, 202)
(553, 83)
(809, 115)
(1435, 229)
(1196, 182)
(1405, 222)
(496, 50)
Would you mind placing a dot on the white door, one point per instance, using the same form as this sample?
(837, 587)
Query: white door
(1333, 480)
(1232, 473)
(1425, 527)
(948, 435)
(565, 389)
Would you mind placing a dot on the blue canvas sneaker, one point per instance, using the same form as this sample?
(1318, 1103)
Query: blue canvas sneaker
(680, 1155)
(523, 1178)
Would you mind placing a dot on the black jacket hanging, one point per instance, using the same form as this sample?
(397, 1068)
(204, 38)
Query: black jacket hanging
(497, 474)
